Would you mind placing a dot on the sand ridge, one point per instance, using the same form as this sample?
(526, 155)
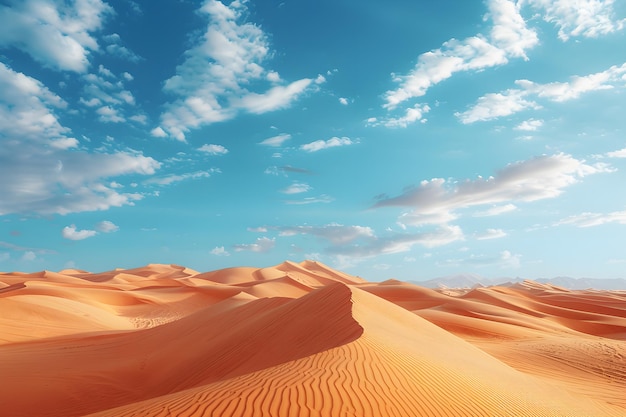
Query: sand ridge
(303, 339)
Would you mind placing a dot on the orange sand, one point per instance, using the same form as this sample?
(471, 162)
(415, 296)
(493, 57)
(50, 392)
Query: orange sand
(303, 340)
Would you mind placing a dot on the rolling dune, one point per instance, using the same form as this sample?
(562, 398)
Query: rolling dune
(303, 339)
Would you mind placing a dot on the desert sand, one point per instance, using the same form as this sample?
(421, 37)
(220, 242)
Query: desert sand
(303, 340)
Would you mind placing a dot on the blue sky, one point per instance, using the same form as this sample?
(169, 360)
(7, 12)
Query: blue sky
(406, 139)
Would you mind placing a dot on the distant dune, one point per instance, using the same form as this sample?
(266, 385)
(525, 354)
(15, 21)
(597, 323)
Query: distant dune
(303, 340)
(472, 280)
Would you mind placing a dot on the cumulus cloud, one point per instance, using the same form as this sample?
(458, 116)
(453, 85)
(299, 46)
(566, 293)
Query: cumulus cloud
(530, 180)
(116, 48)
(56, 34)
(333, 142)
(343, 101)
(276, 141)
(51, 181)
(107, 94)
(71, 233)
(213, 149)
(495, 105)
(107, 226)
(27, 110)
(588, 18)
(411, 115)
(219, 251)
(212, 84)
(594, 219)
(529, 125)
(621, 153)
(261, 245)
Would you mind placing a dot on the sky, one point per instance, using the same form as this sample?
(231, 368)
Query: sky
(402, 139)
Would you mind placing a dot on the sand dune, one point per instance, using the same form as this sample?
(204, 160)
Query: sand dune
(303, 339)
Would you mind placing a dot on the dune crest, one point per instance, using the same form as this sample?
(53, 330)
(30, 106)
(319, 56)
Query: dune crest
(303, 339)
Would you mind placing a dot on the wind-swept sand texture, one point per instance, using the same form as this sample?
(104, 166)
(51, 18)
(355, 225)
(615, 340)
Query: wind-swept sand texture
(303, 340)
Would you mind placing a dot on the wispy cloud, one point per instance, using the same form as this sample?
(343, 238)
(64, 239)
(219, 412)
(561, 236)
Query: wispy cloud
(296, 188)
(491, 234)
(261, 245)
(276, 141)
(173, 178)
(496, 210)
(509, 37)
(495, 105)
(594, 219)
(311, 200)
(333, 142)
(211, 85)
(530, 180)
(505, 259)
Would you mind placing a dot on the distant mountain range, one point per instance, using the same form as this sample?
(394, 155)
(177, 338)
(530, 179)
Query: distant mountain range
(473, 280)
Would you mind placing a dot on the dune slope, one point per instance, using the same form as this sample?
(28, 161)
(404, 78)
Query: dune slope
(303, 339)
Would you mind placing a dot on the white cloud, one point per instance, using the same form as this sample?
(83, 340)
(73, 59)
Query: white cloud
(213, 149)
(172, 178)
(335, 233)
(219, 251)
(588, 18)
(496, 210)
(621, 153)
(411, 115)
(115, 48)
(509, 37)
(261, 245)
(530, 180)
(58, 35)
(505, 259)
(109, 115)
(276, 141)
(158, 132)
(311, 200)
(594, 219)
(70, 232)
(211, 84)
(564, 91)
(65, 182)
(509, 31)
(296, 188)
(495, 105)
(107, 226)
(29, 256)
(529, 125)
(333, 142)
(27, 109)
(491, 234)
(343, 101)
(275, 98)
